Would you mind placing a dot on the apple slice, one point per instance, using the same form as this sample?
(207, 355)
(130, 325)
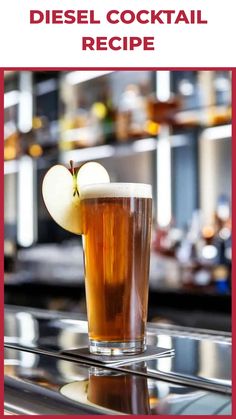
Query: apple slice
(60, 191)
(61, 199)
(91, 173)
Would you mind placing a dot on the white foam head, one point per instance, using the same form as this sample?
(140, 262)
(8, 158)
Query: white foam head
(116, 190)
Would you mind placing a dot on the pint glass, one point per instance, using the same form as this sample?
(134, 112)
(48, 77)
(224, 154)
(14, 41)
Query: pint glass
(116, 241)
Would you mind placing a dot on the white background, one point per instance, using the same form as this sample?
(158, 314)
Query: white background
(211, 45)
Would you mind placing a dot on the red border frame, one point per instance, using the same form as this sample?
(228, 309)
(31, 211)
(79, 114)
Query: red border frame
(2, 221)
(114, 68)
(233, 229)
(2, 192)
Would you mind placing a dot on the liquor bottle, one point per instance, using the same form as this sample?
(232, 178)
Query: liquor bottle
(222, 87)
(222, 241)
(198, 255)
(12, 145)
(12, 148)
(131, 114)
(82, 126)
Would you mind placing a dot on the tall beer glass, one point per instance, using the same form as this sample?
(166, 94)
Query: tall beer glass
(117, 228)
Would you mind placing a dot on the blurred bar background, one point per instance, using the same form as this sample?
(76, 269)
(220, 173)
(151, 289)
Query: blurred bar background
(168, 128)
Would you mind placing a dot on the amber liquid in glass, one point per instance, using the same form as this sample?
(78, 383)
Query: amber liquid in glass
(116, 257)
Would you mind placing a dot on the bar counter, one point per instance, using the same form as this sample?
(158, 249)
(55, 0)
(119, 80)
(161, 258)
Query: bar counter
(40, 379)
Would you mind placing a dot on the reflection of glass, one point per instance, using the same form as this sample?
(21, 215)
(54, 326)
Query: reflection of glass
(117, 223)
(124, 393)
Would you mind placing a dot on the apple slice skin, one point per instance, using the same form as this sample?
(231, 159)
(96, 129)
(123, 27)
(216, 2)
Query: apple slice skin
(64, 208)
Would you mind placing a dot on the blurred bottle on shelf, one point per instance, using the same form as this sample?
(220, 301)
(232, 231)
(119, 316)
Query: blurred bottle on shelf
(85, 115)
(223, 244)
(205, 97)
(45, 125)
(82, 128)
(222, 213)
(46, 132)
(185, 86)
(215, 97)
(41, 139)
(12, 148)
(209, 266)
(164, 264)
(162, 112)
(222, 87)
(9, 255)
(131, 114)
(30, 145)
(221, 279)
(195, 271)
(202, 253)
(108, 117)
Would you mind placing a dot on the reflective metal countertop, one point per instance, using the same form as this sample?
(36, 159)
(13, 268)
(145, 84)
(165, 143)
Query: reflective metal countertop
(41, 380)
